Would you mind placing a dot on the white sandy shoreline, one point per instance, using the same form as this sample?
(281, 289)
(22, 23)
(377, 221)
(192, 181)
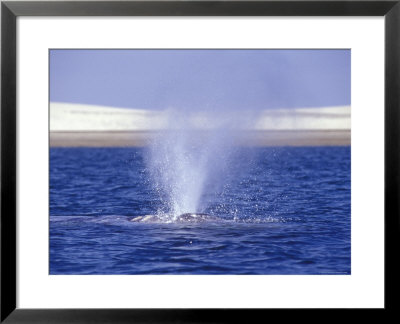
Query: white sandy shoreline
(78, 125)
(251, 138)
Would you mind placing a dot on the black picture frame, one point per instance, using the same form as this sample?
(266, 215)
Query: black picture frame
(10, 10)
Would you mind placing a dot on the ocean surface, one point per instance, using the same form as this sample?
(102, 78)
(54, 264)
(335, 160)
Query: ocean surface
(280, 211)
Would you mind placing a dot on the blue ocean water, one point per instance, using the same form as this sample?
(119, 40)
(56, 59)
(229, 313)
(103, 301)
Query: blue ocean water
(285, 211)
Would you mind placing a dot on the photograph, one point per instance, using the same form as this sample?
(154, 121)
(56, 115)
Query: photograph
(199, 161)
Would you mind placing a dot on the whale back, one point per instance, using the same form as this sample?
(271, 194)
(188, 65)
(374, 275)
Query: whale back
(183, 218)
(195, 217)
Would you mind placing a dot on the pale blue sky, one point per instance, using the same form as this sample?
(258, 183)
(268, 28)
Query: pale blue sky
(201, 79)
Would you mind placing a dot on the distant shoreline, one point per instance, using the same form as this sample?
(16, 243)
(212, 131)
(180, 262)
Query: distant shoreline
(263, 138)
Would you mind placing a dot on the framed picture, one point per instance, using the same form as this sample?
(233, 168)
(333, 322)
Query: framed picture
(190, 161)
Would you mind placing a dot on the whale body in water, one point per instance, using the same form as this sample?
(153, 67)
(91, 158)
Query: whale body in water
(183, 218)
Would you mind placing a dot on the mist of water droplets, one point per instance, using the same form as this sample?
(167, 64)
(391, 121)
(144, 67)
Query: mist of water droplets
(194, 158)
